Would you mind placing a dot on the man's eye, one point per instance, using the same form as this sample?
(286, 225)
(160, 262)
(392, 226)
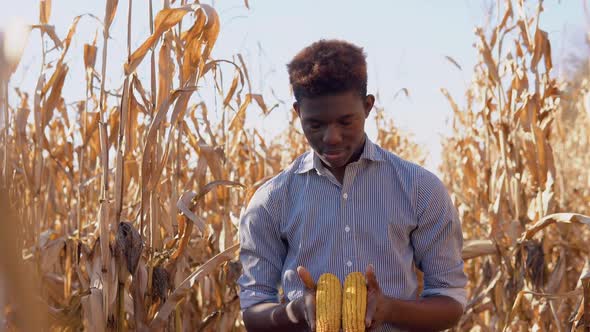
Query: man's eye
(314, 125)
(346, 123)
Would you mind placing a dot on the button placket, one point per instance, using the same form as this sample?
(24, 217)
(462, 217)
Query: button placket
(347, 244)
(346, 208)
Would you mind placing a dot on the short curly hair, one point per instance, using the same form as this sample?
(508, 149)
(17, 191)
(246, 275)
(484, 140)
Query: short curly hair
(328, 67)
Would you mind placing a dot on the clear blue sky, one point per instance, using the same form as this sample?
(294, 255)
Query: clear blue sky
(406, 42)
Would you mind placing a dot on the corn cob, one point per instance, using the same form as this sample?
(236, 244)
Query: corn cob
(354, 306)
(328, 303)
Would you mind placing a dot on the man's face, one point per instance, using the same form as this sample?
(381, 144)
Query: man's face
(335, 125)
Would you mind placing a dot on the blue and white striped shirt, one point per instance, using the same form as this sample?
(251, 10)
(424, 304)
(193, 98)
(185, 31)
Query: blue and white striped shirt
(388, 212)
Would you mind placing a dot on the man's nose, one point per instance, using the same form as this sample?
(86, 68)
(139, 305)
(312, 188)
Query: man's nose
(332, 136)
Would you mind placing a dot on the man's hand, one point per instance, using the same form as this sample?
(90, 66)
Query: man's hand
(375, 298)
(444, 312)
(297, 315)
(306, 304)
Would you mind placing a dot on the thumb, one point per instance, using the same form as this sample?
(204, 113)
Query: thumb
(305, 276)
(371, 278)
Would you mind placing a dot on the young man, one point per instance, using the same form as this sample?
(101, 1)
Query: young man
(347, 206)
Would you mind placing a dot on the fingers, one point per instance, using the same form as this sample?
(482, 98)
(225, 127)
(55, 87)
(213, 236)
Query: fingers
(309, 296)
(370, 313)
(305, 276)
(369, 318)
(310, 310)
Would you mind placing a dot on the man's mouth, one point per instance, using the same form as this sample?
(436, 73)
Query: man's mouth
(333, 156)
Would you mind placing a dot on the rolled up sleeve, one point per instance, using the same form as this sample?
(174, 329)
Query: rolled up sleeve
(262, 253)
(438, 241)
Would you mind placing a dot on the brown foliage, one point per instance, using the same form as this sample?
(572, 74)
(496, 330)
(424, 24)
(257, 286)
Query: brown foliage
(129, 211)
(508, 181)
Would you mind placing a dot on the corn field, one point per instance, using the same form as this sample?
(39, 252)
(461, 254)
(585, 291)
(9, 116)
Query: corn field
(120, 211)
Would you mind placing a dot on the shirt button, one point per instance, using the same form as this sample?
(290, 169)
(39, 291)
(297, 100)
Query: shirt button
(345, 196)
(349, 263)
(347, 229)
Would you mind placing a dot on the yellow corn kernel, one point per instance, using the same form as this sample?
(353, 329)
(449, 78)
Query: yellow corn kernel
(354, 306)
(328, 303)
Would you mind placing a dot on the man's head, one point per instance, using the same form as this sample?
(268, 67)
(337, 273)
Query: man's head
(329, 80)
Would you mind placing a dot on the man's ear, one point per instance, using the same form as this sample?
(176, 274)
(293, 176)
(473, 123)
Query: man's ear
(296, 108)
(369, 102)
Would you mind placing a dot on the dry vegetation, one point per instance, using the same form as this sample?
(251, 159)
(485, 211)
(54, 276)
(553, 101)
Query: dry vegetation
(124, 216)
(128, 211)
(517, 167)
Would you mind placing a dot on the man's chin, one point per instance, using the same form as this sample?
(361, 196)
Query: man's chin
(334, 163)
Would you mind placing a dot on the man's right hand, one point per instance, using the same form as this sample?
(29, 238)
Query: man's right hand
(305, 305)
(296, 315)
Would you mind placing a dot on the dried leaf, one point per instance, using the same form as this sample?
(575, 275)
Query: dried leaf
(165, 71)
(542, 49)
(566, 218)
(184, 205)
(555, 279)
(477, 248)
(244, 70)
(68, 40)
(139, 286)
(55, 95)
(237, 123)
(193, 48)
(232, 89)
(89, 56)
(110, 11)
(189, 200)
(486, 52)
(211, 30)
(44, 11)
(165, 19)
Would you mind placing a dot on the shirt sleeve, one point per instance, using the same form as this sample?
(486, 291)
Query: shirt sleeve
(262, 252)
(438, 241)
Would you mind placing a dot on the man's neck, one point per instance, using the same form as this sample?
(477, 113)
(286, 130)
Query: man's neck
(340, 171)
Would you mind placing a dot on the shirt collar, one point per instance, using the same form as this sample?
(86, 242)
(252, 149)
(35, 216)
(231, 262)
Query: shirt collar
(311, 160)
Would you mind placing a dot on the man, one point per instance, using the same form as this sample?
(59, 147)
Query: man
(347, 206)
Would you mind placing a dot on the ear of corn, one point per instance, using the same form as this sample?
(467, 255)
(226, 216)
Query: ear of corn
(354, 306)
(328, 303)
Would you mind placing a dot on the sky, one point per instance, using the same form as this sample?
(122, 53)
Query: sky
(405, 41)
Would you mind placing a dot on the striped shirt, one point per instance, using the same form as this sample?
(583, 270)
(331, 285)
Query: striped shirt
(387, 211)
